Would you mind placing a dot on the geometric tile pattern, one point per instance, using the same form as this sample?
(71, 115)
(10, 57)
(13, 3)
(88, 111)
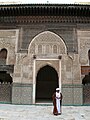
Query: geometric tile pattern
(5, 93)
(86, 94)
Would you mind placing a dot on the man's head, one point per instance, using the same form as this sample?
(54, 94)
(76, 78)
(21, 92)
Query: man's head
(57, 90)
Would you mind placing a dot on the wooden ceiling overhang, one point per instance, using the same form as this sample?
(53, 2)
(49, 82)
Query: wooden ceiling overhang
(28, 13)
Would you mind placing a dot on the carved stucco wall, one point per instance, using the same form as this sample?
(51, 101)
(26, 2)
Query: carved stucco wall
(8, 40)
(83, 45)
(47, 45)
(44, 45)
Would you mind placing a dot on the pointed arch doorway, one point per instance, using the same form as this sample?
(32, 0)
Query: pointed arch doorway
(46, 83)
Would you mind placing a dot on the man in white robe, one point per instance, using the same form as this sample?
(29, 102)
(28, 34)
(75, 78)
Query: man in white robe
(57, 101)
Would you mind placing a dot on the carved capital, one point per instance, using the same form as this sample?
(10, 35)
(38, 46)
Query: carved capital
(34, 56)
(60, 57)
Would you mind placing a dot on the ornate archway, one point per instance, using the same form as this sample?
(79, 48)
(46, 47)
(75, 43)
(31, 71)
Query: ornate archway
(45, 47)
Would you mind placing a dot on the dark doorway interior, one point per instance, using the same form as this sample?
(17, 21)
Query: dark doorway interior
(5, 77)
(46, 83)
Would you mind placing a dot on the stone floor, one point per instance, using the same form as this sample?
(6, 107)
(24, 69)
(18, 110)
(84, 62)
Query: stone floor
(42, 112)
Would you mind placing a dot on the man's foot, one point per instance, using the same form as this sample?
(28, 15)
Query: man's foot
(55, 113)
(59, 113)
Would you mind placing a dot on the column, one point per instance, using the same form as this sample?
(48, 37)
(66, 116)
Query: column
(59, 57)
(34, 78)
